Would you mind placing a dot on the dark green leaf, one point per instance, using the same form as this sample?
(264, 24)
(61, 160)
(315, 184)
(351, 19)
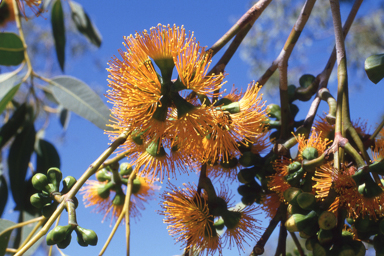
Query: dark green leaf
(64, 117)
(17, 237)
(84, 24)
(47, 156)
(4, 237)
(18, 160)
(374, 67)
(9, 129)
(58, 31)
(79, 98)
(11, 49)
(50, 97)
(27, 229)
(8, 97)
(3, 193)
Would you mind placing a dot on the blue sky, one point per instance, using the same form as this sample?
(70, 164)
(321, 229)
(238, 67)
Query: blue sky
(84, 142)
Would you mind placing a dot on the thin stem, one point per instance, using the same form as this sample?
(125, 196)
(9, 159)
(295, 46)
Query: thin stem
(281, 246)
(22, 224)
(122, 214)
(203, 175)
(297, 243)
(377, 131)
(248, 18)
(88, 173)
(126, 207)
(11, 250)
(33, 231)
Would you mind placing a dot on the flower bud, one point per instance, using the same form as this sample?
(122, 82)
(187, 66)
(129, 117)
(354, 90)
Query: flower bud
(125, 169)
(103, 190)
(219, 224)
(327, 220)
(103, 175)
(294, 167)
(48, 209)
(68, 183)
(88, 236)
(306, 201)
(273, 110)
(374, 66)
(119, 199)
(64, 243)
(136, 184)
(246, 175)
(222, 102)
(58, 234)
(290, 195)
(294, 178)
(54, 177)
(39, 181)
(248, 159)
(293, 209)
(310, 153)
(297, 222)
(325, 236)
(38, 200)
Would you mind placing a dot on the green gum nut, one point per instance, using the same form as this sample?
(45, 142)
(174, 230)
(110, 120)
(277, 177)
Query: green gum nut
(222, 102)
(294, 167)
(39, 181)
(58, 234)
(138, 137)
(103, 190)
(88, 236)
(248, 159)
(103, 175)
(119, 199)
(136, 186)
(155, 150)
(230, 163)
(218, 207)
(54, 177)
(306, 80)
(310, 243)
(68, 183)
(293, 209)
(370, 189)
(327, 220)
(310, 153)
(298, 222)
(231, 219)
(246, 175)
(125, 169)
(38, 200)
(346, 236)
(325, 236)
(273, 110)
(252, 188)
(291, 194)
(306, 201)
(374, 66)
(64, 243)
(219, 224)
(232, 108)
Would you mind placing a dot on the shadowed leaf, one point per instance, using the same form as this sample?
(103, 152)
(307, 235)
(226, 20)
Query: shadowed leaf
(4, 237)
(58, 30)
(11, 49)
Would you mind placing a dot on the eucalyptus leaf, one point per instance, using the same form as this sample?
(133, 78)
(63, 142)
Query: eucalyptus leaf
(3, 193)
(64, 116)
(8, 97)
(84, 23)
(58, 31)
(47, 156)
(4, 237)
(18, 159)
(79, 98)
(11, 49)
(25, 230)
(10, 128)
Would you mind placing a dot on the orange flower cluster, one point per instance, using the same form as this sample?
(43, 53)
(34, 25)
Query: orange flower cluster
(168, 128)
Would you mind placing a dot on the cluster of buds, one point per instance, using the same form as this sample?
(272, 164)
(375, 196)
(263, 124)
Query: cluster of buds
(49, 198)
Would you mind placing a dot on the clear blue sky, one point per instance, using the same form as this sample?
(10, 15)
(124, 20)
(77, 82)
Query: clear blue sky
(84, 142)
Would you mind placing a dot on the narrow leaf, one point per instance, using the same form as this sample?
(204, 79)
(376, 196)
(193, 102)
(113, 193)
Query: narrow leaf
(47, 156)
(84, 23)
(9, 129)
(58, 31)
(3, 193)
(11, 49)
(4, 237)
(64, 116)
(79, 98)
(18, 160)
(8, 97)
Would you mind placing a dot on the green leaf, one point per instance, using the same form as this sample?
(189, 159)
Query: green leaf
(27, 229)
(58, 31)
(64, 116)
(79, 98)
(18, 160)
(9, 129)
(4, 237)
(47, 156)
(374, 67)
(8, 97)
(84, 23)
(11, 49)
(3, 193)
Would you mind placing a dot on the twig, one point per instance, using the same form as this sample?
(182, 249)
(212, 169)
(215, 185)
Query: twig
(297, 243)
(281, 246)
(126, 207)
(22, 224)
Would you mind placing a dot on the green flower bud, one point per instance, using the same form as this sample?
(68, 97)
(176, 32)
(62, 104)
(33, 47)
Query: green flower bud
(58, 234)
(219, 224)
(248, 159)
(154, 150)
(246, 175)
(68, 183)
(218, 207)
(103, 175)
(38, 200)
(125, 169)
(327, 220)
(290, 195)
(370, 189)
(306, 80)
(294, 167)
(54, 177)
(273, 110)
(293, 209)
(252, 188)
(119, 199)
(310, 243)
(230, 163)
(306, 200)
(88, 236)
(136, 185)
(310, 153)
(223, 102)
(39, 181)
(248, 199)
(297, 222)
(364, 224)
(231, 219)
(325, 236)
(64, 244)
(232, 108)
(104, 190)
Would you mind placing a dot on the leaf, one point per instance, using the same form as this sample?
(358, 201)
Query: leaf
(84, 23)
(47, 156)
(4, 238)
(25, 230)
(3, 193)
(64, 116)
(8, 97)
(58, 31)
(374, 67)
(18, 160)
(10, 128)
(79, 98)
(11, 49)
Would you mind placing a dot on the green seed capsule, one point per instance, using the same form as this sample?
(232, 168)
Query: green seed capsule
(58, 234)
(103, 190)
(38, 200)
(324, 236)
(88, 236)
(310, 153)
(290, 195)
(219, 224)
(68, 183)
(306, 201)
(54, 177)
(125, 169)
(39, 181)
(294, 167)
(297, 222)
(67, 240)
(327, 220)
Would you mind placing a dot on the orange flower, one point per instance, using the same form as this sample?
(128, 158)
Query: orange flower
(314, 141)
(277, 182)
(32, 4)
